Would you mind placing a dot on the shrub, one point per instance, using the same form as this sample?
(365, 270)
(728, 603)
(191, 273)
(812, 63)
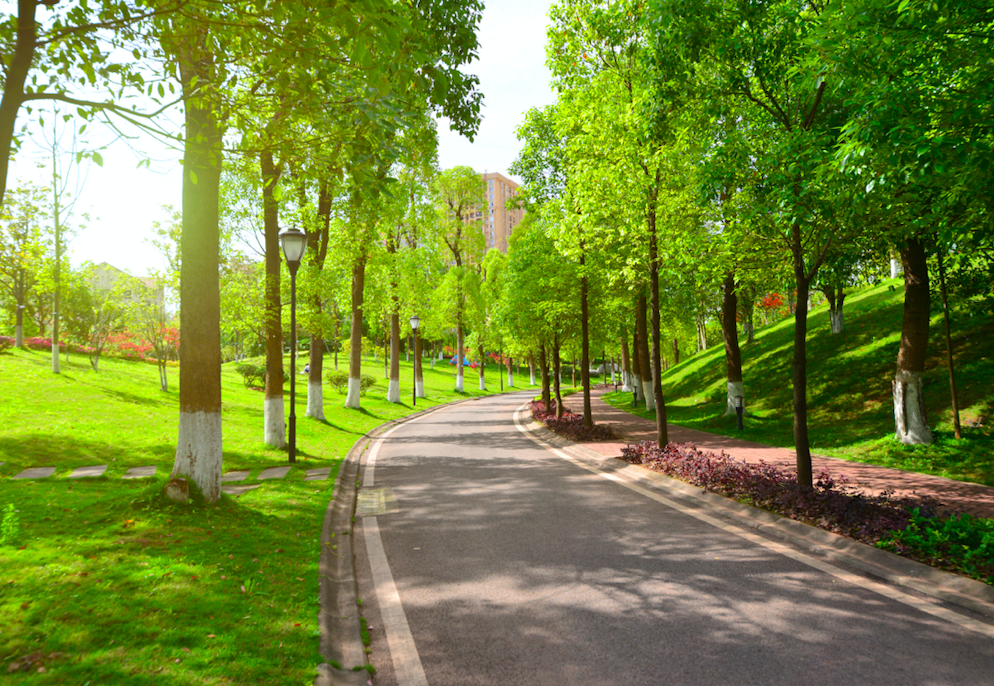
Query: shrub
(5, 343)
(253, 371)
(833, 504)
(9, 526)
(570, 425)
(960, 543)
(338, 380)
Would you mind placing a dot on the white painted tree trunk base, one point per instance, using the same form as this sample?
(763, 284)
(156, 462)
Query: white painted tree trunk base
(393, 391)
(837, 321)
(19, 335)
(510, 380)
(419, 388)
(735, 388)
(895, 268)
(483, 384)
(637, 387)
(274, 419)
(459, 381)
(199, 452)
(55, 359)
(650, 397)
(909, 409)
(352, 395)
(315, 400)
(532, 379)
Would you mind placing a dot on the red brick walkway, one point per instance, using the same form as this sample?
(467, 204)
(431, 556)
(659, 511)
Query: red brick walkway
(960, 496)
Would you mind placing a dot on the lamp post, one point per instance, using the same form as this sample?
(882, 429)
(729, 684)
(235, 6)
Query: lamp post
(415, 322)
(294, 242)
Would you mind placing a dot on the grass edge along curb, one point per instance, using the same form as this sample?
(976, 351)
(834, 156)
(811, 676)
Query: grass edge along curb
(948, 586)
(338, 616)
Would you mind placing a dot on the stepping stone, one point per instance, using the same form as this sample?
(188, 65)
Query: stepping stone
(317, 474)
(239, 489)
(139, 472)
(92, 470)
(235, 476)
(35, 473)
(273, 473)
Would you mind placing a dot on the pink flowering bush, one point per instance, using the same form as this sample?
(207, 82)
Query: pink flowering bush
(569, 425)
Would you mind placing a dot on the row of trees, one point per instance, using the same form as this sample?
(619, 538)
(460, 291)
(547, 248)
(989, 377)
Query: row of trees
(700, 156)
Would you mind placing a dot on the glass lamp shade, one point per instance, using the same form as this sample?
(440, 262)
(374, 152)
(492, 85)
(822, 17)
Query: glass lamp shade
(294, 242)
(415, 321)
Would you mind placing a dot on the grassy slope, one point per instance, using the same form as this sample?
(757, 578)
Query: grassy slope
(109, 584)
(849, 388)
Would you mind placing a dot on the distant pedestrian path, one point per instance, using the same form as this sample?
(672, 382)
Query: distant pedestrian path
(975, 499)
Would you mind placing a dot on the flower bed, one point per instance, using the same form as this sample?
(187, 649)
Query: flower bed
(569, 425)
(909, 526)
(833, 504)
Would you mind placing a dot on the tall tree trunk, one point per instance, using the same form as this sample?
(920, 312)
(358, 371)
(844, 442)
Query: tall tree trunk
(958, 431)
(909, 403)
(626, 367)
(645, 364)
(13, 88)
(662, 435)
(482, 368)
(393, 389)
(702, 333)
(557, 374)
(531, 368)
(676, 352)
(510, 373)
(355, 338)
(19, 324)
(315, 391)
(802, 277)
(730, 334)
(588, 416)
(636, 364)
(543, 363)
(273, 415)
(198, 449)
(835, 295)
(459, 365)
(419, 381)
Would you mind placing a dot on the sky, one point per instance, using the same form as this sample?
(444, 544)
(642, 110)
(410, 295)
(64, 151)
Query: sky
(124, 200)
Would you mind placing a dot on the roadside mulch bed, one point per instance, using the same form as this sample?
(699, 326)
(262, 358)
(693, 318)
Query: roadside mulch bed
(570, 425)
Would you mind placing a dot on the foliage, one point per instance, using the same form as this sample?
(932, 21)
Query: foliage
(570, 425)
(253, 372)
(9, 526)
(338, 379)
(960, 543)
(832, 504)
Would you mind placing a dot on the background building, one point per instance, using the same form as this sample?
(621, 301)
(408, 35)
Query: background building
(143, 288)
(499, 220)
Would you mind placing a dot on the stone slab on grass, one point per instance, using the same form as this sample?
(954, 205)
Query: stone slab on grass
(92, 470)
(274, 473)
(317, 474)
(235, 476)
(238, 489)
(35, 473)
(140, 472)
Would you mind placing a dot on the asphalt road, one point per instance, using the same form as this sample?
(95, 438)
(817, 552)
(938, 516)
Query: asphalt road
(499, 562)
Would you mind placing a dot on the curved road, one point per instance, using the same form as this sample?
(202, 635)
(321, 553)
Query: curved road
(488, 558)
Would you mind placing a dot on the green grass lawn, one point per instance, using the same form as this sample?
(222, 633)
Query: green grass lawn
(851, 411)
(106, 582)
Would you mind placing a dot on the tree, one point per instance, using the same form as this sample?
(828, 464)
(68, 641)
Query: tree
(459, 197)
(146, 317)
(23, 246)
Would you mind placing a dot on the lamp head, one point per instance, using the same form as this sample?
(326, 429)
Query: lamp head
(294, 243)
(415, 322)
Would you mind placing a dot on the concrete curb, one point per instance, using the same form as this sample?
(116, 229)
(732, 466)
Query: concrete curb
(339, 616)
(947, 586)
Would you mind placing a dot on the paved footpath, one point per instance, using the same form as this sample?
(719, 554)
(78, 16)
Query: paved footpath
(959, 496)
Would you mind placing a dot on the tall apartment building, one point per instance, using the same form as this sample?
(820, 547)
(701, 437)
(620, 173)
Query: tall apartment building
(498, 219)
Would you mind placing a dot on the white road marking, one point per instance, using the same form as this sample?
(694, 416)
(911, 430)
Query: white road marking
(838, 573)
(403, 652)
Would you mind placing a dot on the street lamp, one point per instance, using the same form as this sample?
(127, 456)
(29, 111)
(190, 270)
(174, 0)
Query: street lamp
(415, 322)
(294, 242)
